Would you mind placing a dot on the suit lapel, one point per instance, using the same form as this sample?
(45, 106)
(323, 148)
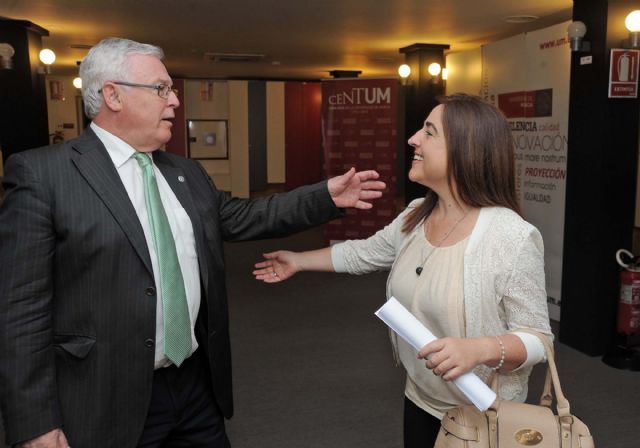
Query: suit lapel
(95, 165)
(179, 183)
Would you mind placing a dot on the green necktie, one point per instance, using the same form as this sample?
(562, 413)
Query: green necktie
(177, 325)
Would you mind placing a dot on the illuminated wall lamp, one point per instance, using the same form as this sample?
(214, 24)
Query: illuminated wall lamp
(404, 71)
(47, 57)
(576, 31)
(632, 22)
(77, 82)
(434, 69)
(445, 74)
(6, 55)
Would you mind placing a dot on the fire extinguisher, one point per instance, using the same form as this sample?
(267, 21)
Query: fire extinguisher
(629, 303)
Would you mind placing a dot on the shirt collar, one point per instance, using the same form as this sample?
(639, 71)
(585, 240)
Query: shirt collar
(119, 150)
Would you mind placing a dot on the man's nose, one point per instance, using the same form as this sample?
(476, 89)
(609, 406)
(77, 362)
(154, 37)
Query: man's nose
(173, 100)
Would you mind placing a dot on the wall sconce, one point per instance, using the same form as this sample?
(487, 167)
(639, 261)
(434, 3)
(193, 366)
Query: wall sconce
(6, 55)
(445, 74)
(632, 22)
(47, 57)
(77, 81)
(576, 31)
(434, 69)
(404, 71)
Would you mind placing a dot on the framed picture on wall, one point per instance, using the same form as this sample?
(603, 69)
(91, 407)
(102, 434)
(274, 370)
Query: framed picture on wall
(207, 139)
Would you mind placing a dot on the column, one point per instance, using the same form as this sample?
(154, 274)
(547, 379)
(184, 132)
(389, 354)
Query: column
(420, 92)
(601, 183)
(23, 101)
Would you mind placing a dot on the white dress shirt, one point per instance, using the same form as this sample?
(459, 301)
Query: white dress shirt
(131, 175)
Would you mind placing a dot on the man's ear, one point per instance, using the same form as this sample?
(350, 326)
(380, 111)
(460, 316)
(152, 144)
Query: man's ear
(111, 98)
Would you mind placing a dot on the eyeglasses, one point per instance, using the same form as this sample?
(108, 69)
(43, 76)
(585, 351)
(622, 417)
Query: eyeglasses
(163, 90)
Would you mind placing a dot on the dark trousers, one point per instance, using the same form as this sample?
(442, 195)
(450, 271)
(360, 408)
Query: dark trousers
(183, 411)
(420, 427)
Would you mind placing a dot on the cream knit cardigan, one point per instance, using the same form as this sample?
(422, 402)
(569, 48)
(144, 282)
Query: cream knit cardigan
(504, 284)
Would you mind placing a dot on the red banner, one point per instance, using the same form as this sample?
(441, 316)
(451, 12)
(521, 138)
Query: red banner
(359, 122)
(535, 103)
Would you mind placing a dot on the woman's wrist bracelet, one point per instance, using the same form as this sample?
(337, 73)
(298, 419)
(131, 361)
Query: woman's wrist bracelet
(502, 355)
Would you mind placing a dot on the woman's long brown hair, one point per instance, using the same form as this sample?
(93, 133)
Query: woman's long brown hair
(480, 157)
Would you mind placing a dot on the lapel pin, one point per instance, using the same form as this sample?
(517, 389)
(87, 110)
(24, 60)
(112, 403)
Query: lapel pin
(180, 178)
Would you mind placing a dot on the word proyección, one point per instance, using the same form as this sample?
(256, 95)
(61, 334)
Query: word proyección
(549, 173)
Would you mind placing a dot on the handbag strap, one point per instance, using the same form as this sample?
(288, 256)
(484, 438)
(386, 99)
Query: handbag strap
(563, 407)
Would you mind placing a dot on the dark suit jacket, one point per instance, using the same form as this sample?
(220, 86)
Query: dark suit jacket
(77, 295)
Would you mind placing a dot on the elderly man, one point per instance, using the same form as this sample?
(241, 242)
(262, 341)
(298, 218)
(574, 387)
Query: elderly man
(113, 310)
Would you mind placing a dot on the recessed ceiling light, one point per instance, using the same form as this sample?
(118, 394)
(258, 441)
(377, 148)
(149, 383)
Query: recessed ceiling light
(523, 18)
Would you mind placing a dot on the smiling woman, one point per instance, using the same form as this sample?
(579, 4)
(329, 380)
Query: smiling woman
(480, 268)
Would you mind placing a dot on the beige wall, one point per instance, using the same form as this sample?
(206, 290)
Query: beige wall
(239, 138)
(275, 133)
(230, 101)
(464, 72)
(63, 111)
(197, 109)
(217, 109)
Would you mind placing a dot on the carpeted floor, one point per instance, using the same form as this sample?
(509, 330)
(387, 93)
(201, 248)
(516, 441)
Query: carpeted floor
(313, 365)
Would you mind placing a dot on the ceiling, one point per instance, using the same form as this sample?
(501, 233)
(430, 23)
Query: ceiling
(298, 39)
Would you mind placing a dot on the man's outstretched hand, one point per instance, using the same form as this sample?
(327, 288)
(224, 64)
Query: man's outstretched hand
(354, 189)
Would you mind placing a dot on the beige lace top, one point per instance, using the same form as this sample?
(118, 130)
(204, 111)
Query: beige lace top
(503, 279)
(436, 298)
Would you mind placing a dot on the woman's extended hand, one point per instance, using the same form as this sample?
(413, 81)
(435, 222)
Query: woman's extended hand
(450, 358)
(278, 266)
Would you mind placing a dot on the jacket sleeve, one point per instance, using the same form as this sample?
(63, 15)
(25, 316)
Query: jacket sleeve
(28, 392)
(378, 252)
(525, 295)
(274, 216)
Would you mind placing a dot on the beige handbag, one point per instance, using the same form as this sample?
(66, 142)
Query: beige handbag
(508, 424)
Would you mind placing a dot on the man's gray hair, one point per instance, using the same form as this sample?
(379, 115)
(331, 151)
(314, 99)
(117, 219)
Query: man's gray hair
(107, 61)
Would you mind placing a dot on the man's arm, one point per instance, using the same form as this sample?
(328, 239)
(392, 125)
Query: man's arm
(28, 393)
(286, 213)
